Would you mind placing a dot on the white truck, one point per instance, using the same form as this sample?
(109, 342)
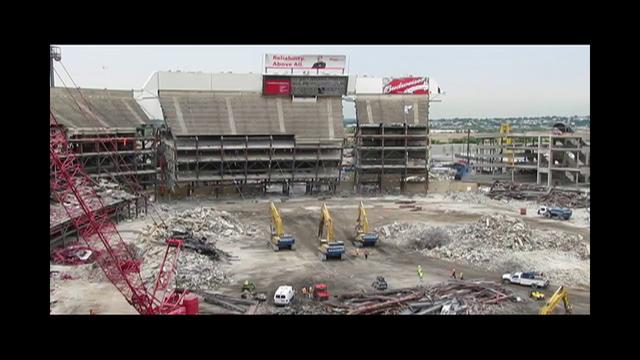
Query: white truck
(533, 279)
(284, 295)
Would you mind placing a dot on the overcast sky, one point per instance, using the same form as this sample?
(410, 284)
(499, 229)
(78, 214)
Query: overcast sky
(479, 81)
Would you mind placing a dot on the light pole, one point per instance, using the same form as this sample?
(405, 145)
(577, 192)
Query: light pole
(54, 54)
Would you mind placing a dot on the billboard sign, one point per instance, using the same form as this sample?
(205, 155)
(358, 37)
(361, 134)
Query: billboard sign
(318, 85)
(305, 64)
(276, 86)
(405, 85)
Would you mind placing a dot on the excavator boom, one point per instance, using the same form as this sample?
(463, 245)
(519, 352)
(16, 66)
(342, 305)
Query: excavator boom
(326, 223)
(279, 240)
(363, 236)
(363, 221)
(560, 294)
(277, 220)
(329, 247)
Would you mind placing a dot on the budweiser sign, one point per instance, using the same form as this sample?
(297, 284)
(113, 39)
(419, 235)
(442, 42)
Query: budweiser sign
(407, 85)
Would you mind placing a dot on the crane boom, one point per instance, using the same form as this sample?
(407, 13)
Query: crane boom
(560, 294)
(74, 190)
(277, 220)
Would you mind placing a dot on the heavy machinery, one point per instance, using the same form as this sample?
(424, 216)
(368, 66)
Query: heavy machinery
(248, 289)
(75, 191)
(363, 236)
(329, 247)
(279, 240)
(320, 292)
(560, 294)
(555, 212)
(380, 283)
(537, 295)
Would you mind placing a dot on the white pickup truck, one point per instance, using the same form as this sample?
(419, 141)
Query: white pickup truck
(526, 279)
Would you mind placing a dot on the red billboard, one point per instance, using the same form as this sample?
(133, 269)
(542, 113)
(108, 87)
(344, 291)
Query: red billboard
(406, 85)
(277, 87)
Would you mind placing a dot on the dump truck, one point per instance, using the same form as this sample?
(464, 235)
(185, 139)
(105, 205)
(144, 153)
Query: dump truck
(555, 212)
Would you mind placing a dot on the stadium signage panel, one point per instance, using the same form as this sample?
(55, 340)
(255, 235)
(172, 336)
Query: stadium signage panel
(305, 64)
(318, 85)
(405, 85)
(276, 86)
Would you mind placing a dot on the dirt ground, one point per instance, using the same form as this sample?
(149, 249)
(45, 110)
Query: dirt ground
(255, 261)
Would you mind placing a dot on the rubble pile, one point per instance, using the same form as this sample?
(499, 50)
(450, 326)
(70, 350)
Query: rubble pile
(194, 271)
(199, 264)
(74, 254)
(110, 193)
(552, 197)
(236, 305)
(430, 238)
(201, 222)
(454, 297)
(471, 197)
(499, 243)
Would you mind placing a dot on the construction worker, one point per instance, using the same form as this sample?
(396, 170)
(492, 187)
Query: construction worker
(461, 276)
(304, 291)
(420, 273)
(310, 292)
(453, 273)
(366, 254)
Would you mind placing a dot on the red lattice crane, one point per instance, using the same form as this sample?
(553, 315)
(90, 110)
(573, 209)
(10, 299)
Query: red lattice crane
(74, 190)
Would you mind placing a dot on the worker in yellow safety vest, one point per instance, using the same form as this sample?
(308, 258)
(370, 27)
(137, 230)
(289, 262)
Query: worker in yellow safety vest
(420, 272)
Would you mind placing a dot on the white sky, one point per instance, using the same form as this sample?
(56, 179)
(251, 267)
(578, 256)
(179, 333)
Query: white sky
(480, 81)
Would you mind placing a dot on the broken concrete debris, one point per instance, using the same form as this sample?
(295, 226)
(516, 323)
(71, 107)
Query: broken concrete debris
(449, 298)
(110, 192)
(500, 243)
(74, 254)
(199, 264)
(550, 197)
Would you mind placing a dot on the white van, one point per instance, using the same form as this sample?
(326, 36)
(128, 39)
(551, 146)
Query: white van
(284, 295)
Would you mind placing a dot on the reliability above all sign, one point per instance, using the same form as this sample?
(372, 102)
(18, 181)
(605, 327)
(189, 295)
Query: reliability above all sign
(304, 64)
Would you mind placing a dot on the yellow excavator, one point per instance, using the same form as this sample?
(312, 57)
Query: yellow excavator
(363, 236)
(279, 240)
(560, 294)
(329, 247)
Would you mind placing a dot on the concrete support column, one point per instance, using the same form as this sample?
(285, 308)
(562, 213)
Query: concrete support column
(538, 174)
(550, 161)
